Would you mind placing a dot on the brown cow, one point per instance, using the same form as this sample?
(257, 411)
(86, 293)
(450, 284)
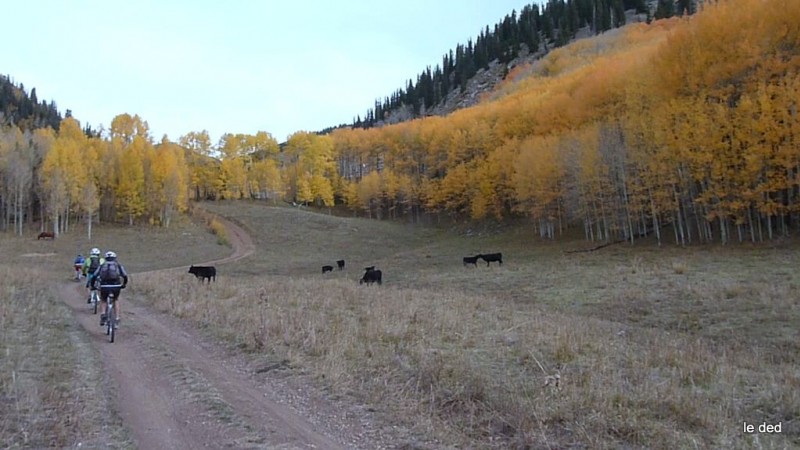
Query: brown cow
(46, 235)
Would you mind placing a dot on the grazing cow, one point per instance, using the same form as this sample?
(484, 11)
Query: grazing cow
(340, 264)
(204, 272)
(327, 269)
(372, 276)
(471, 260)
(46, 235)
(491, 257)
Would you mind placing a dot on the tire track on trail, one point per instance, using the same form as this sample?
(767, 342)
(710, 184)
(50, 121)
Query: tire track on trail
(177, 390)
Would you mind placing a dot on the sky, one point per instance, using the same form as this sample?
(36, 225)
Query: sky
(236, 66)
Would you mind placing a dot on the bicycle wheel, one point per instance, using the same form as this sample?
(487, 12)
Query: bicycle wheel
(110, 320)
(108, 314)
(95, 300)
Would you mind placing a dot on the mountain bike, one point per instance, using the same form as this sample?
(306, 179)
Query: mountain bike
(94, 299)
(111, 316)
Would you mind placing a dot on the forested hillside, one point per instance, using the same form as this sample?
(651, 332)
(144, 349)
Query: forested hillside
(520, 37)
(24, 110)
(685, 128)
(690, 122)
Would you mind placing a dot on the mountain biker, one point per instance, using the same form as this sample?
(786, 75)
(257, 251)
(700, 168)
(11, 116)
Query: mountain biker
(89, 267)
(77, 264)
(112, 278)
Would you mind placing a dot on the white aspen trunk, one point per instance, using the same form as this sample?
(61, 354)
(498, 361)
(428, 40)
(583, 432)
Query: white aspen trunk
(653, 211)
(675, 228)
(760, 229)
(586, 229)
(769, 226)
(723, 229)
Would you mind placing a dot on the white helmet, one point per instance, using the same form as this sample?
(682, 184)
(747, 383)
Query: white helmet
(95, 252)
(110, 254)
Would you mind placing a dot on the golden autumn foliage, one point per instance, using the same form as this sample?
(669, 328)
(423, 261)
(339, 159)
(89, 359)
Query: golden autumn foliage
(689, 122)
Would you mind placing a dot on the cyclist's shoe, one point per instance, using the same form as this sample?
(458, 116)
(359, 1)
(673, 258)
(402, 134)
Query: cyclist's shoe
(89, 300)
(116, 324)
(102, 319)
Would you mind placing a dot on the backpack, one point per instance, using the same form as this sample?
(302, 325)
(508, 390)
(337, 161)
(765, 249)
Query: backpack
(110, 273)
(94, 263)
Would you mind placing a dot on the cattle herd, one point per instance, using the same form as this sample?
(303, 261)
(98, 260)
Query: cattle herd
(371, 274)
(488, 257)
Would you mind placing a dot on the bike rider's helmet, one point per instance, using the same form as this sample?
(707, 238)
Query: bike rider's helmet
(95, 252)
(110, 255)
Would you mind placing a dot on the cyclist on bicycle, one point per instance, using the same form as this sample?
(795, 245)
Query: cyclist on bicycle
(112, 278)
(77, 264)
(89, 267)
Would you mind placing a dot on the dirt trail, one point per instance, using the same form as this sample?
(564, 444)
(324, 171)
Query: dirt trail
(179, 390)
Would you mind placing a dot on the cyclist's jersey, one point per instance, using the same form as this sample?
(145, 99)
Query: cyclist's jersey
(87, 265)
(123, 276)
(79, 261)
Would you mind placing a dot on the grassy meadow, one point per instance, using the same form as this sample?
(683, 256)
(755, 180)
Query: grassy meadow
(625, 347)
(52, 383)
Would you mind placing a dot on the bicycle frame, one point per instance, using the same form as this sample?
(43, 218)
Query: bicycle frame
(95, 296)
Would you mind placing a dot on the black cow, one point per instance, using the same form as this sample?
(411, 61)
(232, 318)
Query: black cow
(204, 272)
(327, 269)
(340, 264)
(471, 260)
(491, 257)
(372, 276)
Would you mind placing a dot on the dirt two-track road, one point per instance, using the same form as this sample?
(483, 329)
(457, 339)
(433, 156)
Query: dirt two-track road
(178, 389)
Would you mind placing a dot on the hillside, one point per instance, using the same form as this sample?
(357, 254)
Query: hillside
(475, 68)
(650, 126)
(24, 110)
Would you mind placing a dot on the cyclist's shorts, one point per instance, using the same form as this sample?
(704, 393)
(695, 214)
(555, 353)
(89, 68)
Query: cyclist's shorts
(105, 290)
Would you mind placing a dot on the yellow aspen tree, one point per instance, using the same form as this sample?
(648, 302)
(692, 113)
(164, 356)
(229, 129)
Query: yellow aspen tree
(129, 191)
(494, 190)
(64, 174)
(202, 165)
(369, 190)
(126, 127)
(350, 193)
(311, 167)
(90, 192)
(266, 176)
(390, 186)
(171, 174)
(233, 176)
(456, 190)
(539, 182)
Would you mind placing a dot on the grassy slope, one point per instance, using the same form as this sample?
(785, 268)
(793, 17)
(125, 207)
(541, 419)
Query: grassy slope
(655, 347)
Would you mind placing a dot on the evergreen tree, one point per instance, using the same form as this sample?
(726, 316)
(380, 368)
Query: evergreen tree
(664, 9)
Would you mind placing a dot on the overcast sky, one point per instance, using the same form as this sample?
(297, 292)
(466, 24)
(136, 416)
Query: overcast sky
(231, 66)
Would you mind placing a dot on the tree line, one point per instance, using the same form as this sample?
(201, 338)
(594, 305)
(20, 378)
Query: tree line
(24, 110)
(685, 129)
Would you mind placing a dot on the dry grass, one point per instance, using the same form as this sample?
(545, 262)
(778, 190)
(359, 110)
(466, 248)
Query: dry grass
(219, 230)
(51, 379)
(654, 348)
(51, 383)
